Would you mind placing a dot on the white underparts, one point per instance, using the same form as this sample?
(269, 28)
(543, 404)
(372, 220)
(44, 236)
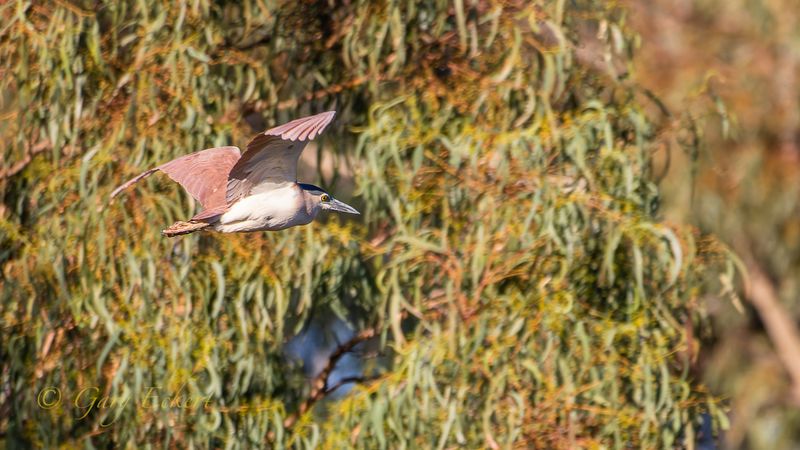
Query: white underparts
(270, 210)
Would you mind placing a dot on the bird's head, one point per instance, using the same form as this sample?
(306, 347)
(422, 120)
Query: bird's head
(323, 201)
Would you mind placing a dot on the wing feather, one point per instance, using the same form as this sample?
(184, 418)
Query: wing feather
(203, 174)
(271, 157)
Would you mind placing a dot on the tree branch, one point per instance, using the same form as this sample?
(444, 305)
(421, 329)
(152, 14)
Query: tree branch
(319, 385)
(781, 329)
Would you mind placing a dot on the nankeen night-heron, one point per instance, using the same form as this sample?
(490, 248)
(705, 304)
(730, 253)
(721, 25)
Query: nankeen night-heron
(253, 191)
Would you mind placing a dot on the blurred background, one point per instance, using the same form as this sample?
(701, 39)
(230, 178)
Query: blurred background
(580, 229)
(745, 188)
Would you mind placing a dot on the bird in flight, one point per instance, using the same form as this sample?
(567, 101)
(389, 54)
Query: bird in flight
(252, 191)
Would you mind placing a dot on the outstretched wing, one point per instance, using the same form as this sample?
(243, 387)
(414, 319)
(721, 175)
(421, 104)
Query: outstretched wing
(271, 157)
(203, 174)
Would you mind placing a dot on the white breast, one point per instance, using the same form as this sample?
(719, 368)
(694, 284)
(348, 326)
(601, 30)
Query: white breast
(271, 210)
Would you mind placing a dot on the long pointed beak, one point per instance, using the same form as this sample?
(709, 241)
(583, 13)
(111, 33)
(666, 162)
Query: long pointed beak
(336, 205)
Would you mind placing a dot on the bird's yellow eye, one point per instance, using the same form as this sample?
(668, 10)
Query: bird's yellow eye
(325, 198)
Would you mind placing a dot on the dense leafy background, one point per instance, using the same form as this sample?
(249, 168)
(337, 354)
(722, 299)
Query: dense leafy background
(511, 261)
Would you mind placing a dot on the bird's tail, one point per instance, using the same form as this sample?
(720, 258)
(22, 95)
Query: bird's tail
(180, 228)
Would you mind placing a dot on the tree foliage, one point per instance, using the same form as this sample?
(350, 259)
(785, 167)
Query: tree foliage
(510, 263)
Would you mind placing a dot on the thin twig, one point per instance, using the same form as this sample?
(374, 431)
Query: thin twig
(358, 379)
(23, 163)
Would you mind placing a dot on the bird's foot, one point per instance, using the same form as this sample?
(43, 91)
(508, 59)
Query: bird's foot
(180, 228)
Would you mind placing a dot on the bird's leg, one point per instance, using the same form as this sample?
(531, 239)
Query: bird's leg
(180, 227)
